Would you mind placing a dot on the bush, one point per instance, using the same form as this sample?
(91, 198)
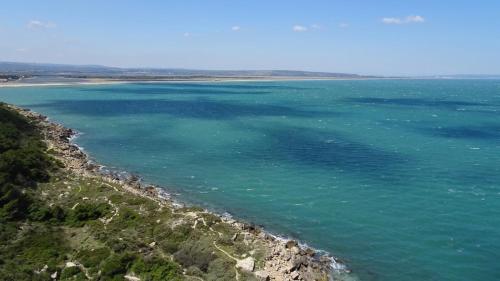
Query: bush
(221, 270)
(156, 269)
(13, 202)
(23, 163)
(194, 271)
(116, 265)
(93, 258)
(197, 253)
(169, 239)
(69, 272)
(9, 137)
(128, 217)
(40, 212)
(37, 247)
(86, 212)
(25, 166)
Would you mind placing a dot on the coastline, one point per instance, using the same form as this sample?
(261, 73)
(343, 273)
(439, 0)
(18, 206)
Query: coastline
(285, 259)
(95, 82)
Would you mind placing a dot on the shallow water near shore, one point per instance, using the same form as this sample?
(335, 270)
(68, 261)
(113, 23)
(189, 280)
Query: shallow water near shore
(400, 178)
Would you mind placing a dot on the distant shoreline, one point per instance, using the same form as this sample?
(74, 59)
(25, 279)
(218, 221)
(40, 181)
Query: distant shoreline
(16, 84)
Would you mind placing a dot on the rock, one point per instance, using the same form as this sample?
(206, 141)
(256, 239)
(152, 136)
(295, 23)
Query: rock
(295, 250)
(53, 275)
(235, 236)
(152, 244)
(45, 267)
(247, 264)
(301, 261)
(310, 252)
(131, 278)
(262, 275)
(70, 264)
(290, 244)
(295, 275)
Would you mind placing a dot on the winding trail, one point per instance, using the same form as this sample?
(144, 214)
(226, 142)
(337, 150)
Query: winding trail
(231, 257)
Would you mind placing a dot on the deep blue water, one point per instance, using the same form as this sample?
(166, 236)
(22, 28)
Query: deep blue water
(400, 178)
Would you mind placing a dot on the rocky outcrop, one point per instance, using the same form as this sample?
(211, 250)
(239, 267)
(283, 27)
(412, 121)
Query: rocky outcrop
(246, 264)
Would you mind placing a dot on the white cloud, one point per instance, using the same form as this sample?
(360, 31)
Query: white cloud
(299, 28)
(408, 19)
(316, 26)
(343, 25)
(186, 34)
(36, 24)
(236, 28)
(21, 50)
(391, 21)
(416, 19)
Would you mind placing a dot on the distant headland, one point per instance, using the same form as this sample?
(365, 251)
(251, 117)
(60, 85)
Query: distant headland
(26, 74)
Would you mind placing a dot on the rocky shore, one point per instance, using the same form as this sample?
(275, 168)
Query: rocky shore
(284, 259)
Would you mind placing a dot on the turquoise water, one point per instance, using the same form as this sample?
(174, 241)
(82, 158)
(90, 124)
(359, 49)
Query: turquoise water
(399, 178)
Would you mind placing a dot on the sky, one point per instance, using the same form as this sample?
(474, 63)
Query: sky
(376, 37)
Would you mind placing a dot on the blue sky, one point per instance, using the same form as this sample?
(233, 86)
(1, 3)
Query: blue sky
(383, 37)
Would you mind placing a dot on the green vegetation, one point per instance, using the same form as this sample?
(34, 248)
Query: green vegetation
(55, 223)
(23, 163)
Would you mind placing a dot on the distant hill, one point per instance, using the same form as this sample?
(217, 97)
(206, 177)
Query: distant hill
(37, 69)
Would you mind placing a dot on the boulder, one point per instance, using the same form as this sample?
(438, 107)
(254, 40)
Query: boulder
(310, 252)
(131, 278)
(290, 244)
(246, 264)
(262, 275)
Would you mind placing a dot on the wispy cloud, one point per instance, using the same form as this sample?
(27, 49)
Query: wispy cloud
(21, 50)
(299, 28)
(392, 21)
(236, 28)
(316, 26)
(415, 19)
(186, 34)
(36, 24)
(407, 20)
(343, 25)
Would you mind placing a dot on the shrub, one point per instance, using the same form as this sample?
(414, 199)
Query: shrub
(40, 212)
(197, 253)
(13, 202)
(69, 272)
(93, 258)
(156, 269)
(221, 270)
(116, 265)
(38, 246)
(194, 271)
(128, 216)
(23, 163)
(86, 212)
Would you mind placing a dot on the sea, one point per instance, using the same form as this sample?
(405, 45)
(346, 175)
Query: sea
(400, 179)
